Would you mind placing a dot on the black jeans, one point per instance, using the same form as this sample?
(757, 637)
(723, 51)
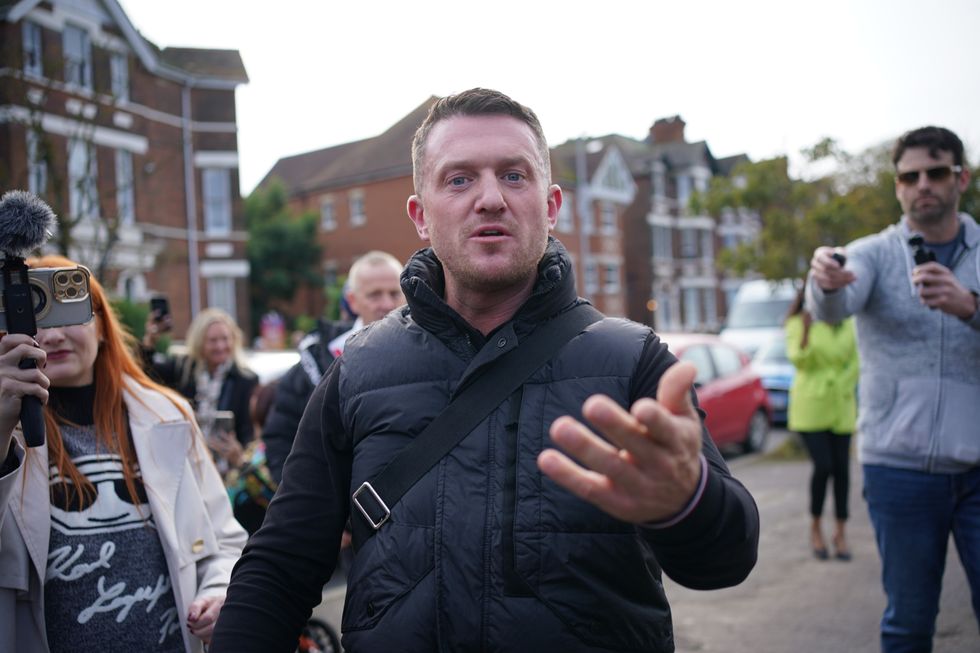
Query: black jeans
(830, 453)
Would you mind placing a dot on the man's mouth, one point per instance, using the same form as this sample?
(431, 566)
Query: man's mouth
(490, 232)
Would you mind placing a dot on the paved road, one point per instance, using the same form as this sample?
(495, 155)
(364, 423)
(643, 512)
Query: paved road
(794, 603)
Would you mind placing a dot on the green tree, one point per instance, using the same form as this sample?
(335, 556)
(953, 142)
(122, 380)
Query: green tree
(856, 198)
(282, 251)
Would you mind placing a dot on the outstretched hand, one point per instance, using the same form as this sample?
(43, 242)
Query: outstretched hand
(648, 467)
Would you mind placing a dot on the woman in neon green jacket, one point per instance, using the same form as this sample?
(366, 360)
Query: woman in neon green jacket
(823, 410)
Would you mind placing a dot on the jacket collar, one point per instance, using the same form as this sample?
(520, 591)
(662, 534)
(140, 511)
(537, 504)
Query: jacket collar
(423, 282)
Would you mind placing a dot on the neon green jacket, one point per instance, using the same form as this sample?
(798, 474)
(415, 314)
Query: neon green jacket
(822, 397)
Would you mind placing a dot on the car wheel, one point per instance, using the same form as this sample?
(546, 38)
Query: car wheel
(755, 439)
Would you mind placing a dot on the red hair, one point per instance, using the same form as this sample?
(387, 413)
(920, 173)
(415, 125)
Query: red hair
(114, 362)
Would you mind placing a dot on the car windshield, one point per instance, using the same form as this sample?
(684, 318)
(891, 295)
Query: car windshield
(773, 352)
(769, 313)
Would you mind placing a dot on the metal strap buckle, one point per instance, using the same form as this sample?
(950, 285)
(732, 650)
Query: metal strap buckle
(375, 524)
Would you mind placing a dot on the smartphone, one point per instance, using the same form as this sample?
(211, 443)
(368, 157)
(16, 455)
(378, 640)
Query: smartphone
(160, 306)
(224, 421)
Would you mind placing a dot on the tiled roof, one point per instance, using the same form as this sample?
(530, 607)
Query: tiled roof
(384, 156)
(223, 64)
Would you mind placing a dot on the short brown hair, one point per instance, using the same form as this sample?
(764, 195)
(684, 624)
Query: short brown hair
(476, 102)
(933, 138)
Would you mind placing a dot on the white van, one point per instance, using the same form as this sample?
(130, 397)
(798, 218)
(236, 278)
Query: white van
(757, 313)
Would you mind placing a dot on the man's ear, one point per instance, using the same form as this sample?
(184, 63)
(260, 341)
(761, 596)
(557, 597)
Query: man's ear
(963, 182)
(417, 214)
(554, 205)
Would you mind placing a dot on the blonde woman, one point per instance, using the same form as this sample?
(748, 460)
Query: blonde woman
(116, 533)
(213, 375)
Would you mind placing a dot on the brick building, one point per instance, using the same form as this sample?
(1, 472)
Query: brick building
(637, 249)
(134, 147)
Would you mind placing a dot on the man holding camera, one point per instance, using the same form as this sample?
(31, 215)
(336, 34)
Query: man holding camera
(914, 291)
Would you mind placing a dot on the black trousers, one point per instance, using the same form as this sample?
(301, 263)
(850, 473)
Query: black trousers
(830, 453)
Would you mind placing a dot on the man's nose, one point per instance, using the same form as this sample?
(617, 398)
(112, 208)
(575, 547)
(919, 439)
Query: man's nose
(490, 198)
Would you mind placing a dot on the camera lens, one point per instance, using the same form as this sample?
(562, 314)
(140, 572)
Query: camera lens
(77, 278)
(61, 279)
(40, 299)
(71, 292)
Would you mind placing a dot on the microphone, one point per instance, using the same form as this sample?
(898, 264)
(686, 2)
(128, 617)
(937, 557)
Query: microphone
(25, 225)
(920, 253)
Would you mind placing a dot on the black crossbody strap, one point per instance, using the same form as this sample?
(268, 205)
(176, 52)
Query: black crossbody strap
(374, 499)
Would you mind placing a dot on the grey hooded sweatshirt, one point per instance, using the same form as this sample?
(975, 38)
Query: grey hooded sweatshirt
(919, 391)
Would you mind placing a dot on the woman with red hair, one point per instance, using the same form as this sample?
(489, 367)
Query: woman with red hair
(117, 530)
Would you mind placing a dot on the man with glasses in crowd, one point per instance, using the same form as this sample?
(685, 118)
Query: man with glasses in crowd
(913, 289)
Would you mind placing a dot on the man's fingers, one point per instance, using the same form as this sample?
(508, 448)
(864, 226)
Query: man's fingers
(591, 486)
(674, 390)
(592, 451)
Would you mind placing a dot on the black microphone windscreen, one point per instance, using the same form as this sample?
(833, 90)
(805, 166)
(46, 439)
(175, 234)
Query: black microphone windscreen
(25, 223)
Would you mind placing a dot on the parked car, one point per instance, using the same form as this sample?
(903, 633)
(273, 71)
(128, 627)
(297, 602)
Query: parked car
(776, 372)
(757, 313)
(728, 389)
(270, 364)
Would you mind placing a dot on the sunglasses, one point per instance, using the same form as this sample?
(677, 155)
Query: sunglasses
(939, 173)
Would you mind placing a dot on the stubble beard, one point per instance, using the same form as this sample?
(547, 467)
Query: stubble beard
(936, 214)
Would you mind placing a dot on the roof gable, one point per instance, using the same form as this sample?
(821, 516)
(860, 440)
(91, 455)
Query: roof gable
(385, 156)
(202, 67)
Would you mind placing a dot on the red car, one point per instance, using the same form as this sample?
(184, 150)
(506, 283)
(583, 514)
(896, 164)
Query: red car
(728, 390)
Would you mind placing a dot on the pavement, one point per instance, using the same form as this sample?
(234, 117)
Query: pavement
(792, 602)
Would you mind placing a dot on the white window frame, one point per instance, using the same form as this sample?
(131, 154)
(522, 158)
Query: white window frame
(591, 277)
(77, 56)
(355, 203)
(221, 294)
(83, 198)
(37, 169)
(328, 214)
(566, 216)
(125, 193)
(684, 187)
(689, 242)
(710, 306)
(33, 49)
(216, 197)
(692, 312)
(119, 76)
(663, 242)
(707, 244)
(611, 284)
(607, 218)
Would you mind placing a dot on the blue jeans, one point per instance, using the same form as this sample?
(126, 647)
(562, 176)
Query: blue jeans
(913, 514)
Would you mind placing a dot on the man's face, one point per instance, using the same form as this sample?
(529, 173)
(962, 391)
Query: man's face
(925, 201)
(486, 206)
(376, 292)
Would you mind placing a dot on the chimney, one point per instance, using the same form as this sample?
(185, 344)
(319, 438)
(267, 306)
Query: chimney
(667, 130)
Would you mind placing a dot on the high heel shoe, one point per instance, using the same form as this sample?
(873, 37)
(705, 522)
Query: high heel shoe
(841, 552)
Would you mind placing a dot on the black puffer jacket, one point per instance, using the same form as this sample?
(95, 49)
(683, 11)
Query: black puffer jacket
(294, 390)
(484, 553)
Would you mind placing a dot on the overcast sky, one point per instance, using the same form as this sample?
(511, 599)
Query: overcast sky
(759, 77)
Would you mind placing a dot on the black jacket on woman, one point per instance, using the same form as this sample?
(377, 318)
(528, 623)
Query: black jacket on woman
(178, 372)
(484, 553)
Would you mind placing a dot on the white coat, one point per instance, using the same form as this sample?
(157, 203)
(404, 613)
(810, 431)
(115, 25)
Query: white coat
(200, 537)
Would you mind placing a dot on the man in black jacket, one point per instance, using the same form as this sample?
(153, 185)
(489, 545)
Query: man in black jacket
(372, 291)
(505, 544)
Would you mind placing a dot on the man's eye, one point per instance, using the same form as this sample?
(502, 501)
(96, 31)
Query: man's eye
(513, 176)
(457, 181)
